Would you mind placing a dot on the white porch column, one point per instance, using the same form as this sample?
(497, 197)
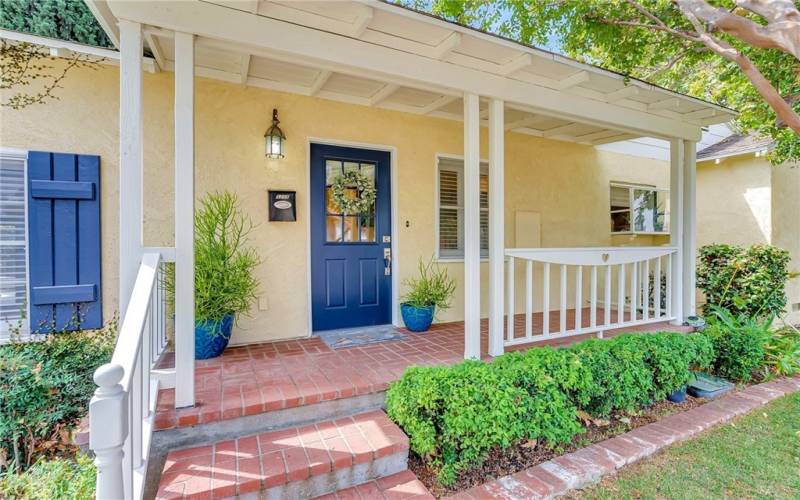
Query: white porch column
(689, 228)
(472, 237)
(130, 158)
(184, 219)
(496, 225)
(676, 157)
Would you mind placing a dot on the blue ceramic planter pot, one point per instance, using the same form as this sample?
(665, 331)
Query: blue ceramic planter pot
(678, 396)
(417, 319)
(211, 337)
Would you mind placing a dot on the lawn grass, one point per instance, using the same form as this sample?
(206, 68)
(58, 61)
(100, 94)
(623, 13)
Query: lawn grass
(754, 456)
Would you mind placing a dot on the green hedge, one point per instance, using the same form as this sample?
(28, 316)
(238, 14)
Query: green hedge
(46, 385)
(455, 415)
(747, 281)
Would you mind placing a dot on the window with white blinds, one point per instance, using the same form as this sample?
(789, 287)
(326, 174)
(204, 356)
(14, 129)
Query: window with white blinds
(13, 252)
(450, 213)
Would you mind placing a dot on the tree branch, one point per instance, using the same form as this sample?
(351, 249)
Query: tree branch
(782, 34)
(764, 87)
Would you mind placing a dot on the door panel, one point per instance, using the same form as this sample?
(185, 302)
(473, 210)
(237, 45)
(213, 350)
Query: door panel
(350, 280)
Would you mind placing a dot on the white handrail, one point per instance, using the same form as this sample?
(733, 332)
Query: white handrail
(638, 299)
(122, 409)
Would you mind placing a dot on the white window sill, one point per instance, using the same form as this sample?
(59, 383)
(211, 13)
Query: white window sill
(455, 260)
(640, 233)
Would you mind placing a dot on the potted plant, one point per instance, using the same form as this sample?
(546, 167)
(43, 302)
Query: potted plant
(224, 281)
(432, 289)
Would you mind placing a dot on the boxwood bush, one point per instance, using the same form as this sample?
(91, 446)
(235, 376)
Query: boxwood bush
(455, 415)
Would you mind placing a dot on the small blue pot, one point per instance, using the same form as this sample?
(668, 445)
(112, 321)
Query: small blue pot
(211, 337)
(417, 319)
(678, 396)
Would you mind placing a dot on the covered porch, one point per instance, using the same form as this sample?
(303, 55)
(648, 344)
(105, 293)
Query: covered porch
(377, 55)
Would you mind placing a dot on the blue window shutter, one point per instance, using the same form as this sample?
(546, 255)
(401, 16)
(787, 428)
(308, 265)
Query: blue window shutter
(64, 241)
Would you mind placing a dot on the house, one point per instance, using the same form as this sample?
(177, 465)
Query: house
(483, 154)
(741, 198)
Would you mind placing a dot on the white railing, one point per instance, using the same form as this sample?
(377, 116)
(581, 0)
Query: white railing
(626, 281)
(121, 411)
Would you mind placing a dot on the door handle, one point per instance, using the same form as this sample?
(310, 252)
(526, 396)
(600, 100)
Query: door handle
(387, 261)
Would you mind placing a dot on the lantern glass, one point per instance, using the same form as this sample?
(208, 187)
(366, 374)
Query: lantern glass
(274, 138)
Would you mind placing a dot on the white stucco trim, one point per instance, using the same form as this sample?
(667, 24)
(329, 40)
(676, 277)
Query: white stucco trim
(392, 150)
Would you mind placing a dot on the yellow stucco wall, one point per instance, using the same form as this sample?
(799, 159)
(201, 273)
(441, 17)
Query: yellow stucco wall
(568, 184)
(786, 227)
(733, 201)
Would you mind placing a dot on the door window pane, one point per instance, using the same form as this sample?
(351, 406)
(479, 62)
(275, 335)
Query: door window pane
(368, 170)
(330, 204)
(333, 169)
(367, 229)
(350, 229)
(333, 228)
(350, 166)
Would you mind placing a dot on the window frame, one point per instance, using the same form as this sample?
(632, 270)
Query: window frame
(632, 187)
(20, 155)
(453, 256)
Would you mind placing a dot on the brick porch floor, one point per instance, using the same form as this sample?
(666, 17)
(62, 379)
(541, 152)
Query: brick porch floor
(258, 378)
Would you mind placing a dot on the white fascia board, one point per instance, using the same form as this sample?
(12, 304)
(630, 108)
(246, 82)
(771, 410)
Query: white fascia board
(293, 43)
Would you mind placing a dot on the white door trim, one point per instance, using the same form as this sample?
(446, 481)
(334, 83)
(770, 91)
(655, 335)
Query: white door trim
(392, 150)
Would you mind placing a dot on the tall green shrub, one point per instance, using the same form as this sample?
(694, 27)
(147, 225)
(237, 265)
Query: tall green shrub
(224, 279)
(750, 281)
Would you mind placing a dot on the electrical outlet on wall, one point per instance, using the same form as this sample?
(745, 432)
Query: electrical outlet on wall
(263, 303)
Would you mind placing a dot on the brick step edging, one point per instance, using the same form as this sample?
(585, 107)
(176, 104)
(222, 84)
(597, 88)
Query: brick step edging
(299, 462)
(587, 466)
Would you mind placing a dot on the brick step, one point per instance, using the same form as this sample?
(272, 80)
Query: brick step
(298, 462)
(400, 486)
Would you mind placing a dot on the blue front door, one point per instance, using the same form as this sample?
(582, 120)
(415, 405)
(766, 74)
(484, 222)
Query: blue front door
(350, 253)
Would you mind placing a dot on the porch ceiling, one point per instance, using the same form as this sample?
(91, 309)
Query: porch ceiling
(375, 25)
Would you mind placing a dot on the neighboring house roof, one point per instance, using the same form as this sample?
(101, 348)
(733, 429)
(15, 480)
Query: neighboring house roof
(734, 145)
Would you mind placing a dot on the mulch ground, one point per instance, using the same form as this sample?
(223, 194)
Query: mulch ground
(502, 462)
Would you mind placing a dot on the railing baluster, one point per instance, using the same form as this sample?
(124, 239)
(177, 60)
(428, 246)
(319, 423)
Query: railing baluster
(634, 290)
(510, 293)
(593, 298)
(621, 293)
(657, 288)
(528, 298)
(646, 288)
(578, 297)
(670, 258)
(562, 327)
(136, 418)
(146, 362)
(546, 299)
(607, 298)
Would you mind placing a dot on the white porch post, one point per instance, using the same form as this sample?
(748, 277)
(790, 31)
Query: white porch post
(472, 238)
(676, 157)
(496, 225)
(689, 227)
(130, 158)
(184, 219)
